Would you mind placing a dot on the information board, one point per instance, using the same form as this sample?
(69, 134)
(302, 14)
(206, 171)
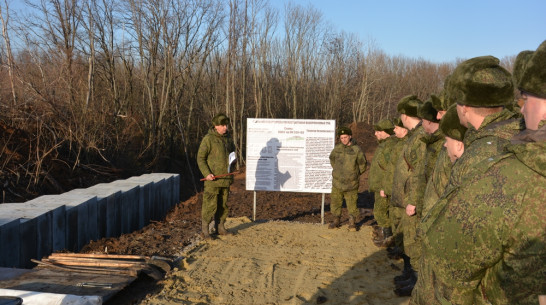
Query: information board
(289, 155)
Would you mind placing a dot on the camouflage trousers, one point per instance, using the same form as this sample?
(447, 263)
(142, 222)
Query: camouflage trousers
(381, 211)
(214, 205)
(395, 216)
(412, 242)
(336, 201)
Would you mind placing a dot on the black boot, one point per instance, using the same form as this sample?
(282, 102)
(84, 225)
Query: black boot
(205, 229)
(396, 253)
(222, 229)
(407, 272)
(405, 291)
(334, 224)
(352, 223)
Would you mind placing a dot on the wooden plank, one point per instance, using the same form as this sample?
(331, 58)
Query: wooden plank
(104, 271)
(58, 281)
(96, 263)
(100, 255)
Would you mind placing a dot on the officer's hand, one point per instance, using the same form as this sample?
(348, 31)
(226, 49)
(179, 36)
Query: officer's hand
(382, 194)
(210, 177)
(410, 210)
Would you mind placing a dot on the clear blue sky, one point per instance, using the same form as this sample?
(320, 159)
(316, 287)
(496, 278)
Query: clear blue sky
(439, 30)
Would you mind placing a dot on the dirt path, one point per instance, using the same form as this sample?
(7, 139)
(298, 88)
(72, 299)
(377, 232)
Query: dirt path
(280, 262)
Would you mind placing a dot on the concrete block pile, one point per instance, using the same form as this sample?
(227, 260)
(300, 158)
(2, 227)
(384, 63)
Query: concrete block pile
(39, 227)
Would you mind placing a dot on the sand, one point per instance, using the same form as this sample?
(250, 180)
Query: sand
(280, 262)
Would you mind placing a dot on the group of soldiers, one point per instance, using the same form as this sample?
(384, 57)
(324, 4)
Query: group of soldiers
(460, 186)
(459, 183)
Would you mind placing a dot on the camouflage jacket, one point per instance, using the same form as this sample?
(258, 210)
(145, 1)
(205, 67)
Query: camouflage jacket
(409, 176)
(378, 175)
(437, 182)
(397, 149)
(434, 143)
(487, 141)
(487, 244)
(348, 163)
(213, 157)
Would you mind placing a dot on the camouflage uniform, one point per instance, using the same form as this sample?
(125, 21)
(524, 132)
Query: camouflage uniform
(409, 186)
(396, 212)
(437, 182)
(377, 180)
(348, 163)
(487, 242)
(487, 141)
(213, 158)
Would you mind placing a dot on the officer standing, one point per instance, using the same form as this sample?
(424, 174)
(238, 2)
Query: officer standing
(213, 161)
(348, 163)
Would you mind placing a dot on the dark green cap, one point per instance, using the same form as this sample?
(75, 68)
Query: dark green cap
(436, 101)
(220, 119)
(427, 112)
(409, 105)
(480, 82)
(397, 122)
(451, 126)
(445, 102)
(533, 80)
(385, 125)
(519, 65)
(344, 130)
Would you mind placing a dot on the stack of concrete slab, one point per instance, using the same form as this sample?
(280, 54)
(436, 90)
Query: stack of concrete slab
(36, 228)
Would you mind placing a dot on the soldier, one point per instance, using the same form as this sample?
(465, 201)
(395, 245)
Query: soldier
(488, 242)
(348, 163)
(409, 185)
(481, 88)
(395, 215)
(213, 161)
(382, 235)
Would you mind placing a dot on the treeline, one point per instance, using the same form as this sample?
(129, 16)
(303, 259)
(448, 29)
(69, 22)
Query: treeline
(135, 83)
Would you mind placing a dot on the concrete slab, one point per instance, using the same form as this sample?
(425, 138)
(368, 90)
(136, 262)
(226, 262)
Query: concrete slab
(10, 241)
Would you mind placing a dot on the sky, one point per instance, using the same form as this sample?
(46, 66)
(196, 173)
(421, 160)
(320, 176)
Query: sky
(439, 30)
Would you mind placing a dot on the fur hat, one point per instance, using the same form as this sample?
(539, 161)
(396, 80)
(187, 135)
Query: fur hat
(344, 130)
(445, 102)
(533, 79)
(409, 105)
(220, 119)
(451, 126)
(385, 125)
(519, 65)
(480, 82)
(427, 112)
(437, 101)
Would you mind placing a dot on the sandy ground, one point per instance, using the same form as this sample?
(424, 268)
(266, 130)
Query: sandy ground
(281, 262)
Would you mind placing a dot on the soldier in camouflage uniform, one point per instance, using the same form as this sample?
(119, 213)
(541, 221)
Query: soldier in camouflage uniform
(395, 213)
(348, 163)
(213, 160)
(487, 244)
(409, 184)
(377, 181)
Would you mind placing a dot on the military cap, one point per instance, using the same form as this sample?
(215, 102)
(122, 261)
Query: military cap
(451, 126)
(436, 101)
(385, 125)
(344, 130)
(398, 122)
(220, 119)
(533, 80)
(519, 65)
(408, 105)
(480, 82)
(427, 112)
(445, 102)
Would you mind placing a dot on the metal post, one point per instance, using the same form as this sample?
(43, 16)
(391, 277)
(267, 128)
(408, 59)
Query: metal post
(322, 210)
(254, 209)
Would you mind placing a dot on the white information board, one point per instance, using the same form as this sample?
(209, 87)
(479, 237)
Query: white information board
(289, 155)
